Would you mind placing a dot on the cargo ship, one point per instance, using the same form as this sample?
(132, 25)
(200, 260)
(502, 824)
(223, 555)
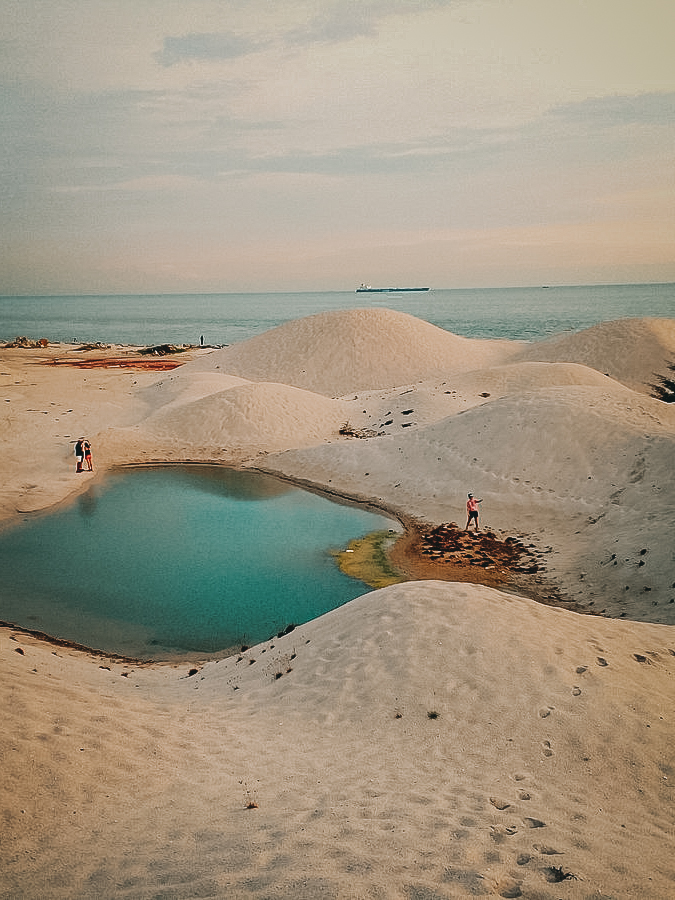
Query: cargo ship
(367, 289)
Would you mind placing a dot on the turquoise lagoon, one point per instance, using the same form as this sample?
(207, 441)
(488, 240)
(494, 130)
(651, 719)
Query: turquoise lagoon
(159, 562)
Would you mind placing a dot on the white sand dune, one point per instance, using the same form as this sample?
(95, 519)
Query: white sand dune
(551, 754)
(424, 402)
(337, 353)
(177, 390)
(632, 351)
(252, 416)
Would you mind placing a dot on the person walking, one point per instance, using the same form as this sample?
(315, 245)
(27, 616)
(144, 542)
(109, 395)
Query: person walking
(472, 512)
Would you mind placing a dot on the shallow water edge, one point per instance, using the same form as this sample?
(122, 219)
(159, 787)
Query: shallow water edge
(137, 516)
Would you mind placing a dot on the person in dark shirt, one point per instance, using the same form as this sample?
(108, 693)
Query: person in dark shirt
(79, 453)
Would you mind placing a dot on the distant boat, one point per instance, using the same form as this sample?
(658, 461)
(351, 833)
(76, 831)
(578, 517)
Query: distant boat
(367, 289)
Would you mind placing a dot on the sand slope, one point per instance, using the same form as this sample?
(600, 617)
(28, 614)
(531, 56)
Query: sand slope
(550, 755)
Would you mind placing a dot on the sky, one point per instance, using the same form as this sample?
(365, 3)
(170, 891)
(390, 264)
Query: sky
(153, 146)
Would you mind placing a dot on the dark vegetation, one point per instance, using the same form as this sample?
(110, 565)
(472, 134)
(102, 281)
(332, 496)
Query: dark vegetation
(665, 388)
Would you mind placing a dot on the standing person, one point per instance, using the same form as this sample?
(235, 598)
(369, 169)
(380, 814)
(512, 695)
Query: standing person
(79, 453)
(87, 455)
(472, 511)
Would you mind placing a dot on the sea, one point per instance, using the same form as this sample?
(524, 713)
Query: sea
(528, 313)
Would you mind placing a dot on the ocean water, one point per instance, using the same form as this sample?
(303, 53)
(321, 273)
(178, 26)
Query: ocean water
(157, 562)
(516, 313)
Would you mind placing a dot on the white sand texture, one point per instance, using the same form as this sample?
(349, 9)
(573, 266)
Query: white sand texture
(428, 740)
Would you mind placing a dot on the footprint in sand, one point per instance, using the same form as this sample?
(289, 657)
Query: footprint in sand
(523, 795)
(545, 850)
(546, 748)
(545, 711)
(576, 691)
(499, 804)
(602, 661)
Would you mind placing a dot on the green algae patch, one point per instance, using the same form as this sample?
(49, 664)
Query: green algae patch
(367, 560)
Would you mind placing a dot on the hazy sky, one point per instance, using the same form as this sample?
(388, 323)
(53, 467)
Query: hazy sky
(242, 145)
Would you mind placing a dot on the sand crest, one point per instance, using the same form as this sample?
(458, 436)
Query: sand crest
(336, 353)
(430, 739)
(631, 351)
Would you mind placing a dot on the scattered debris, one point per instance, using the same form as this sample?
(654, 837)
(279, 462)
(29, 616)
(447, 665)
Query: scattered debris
(163, 350)
(25, 343)
(349, 431)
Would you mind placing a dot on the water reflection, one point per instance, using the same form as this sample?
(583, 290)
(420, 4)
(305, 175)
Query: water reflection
(236, 484)
(88, 502)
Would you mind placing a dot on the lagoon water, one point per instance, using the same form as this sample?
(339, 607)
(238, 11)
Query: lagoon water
(156, 562)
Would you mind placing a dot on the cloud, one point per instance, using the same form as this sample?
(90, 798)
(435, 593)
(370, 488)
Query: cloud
(344, 21)
(205, 46)
(616, 110)
(334, 25)
(563, 135)
(101, 139)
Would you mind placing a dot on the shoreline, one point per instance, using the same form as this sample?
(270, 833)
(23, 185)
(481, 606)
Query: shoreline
(404, 553)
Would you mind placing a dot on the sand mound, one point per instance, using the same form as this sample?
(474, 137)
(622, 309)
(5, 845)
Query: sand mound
(426, 740)
(522, 377)
(253, 416)
(422, 403)
(180, 387)
(629, 350)
(337, 353)
(569, 442)
(589, 469)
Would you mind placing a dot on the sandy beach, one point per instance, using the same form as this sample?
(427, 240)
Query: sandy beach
(437, 738)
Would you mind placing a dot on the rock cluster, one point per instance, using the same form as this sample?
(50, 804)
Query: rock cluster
(27, 343)
(470, 548)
